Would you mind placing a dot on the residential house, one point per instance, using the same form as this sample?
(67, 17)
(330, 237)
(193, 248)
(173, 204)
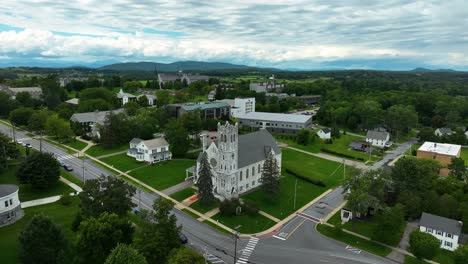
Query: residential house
(151, 98)
(89, 122)
(360, 146)
(446, 230)
(324, 133)
(379, 139)
(441, 152)
(443, 131)
(73, 101)
(150, 151)
(237, 160)
(35, 92)
(275, 122)
(125, 97)
(10, 206)
(208, 110)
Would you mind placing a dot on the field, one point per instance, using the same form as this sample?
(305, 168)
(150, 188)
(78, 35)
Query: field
(62, 215)
(317, 168)
(183, 194)
(249, 224)
(26, 192)
(163, 175)
(339, 145)
(203, 208)
(76, 144)
(99, 150)
(123, 162)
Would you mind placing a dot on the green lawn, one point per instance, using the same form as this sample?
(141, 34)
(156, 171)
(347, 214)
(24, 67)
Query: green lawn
(62, 215)
(339, 145)
(76, 144)
(123, 162)
(26, 192)
(249, 224)
(67, 175)
(464, 155)
(99, 150)
(220, 229)
(413, 260)
(203, 208)
(354, 241)
(164, 174)
(190, 213)
(444, 256)
(183, 194)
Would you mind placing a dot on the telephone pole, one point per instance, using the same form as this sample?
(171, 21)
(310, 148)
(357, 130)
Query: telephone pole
(83, 167)
(295, 194)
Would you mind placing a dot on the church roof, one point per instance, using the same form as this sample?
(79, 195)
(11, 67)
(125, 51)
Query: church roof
(254, 147)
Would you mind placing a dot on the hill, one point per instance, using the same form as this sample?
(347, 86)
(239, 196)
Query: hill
(172, 67)
(429, 70)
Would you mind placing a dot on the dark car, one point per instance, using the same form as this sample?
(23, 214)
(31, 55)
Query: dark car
(182, 238)
(28, 145)
(67, 167)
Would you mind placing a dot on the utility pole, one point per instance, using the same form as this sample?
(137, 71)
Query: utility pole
(295, 194)
(83, 168)
(236, 236)
(14, 134)
(344, 169)
(40, 142)
(139, 199)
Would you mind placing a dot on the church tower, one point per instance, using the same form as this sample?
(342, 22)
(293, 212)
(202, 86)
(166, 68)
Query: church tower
(227, 160)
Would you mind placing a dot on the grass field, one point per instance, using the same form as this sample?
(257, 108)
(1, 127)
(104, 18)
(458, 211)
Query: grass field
(67, 175)
(203, 208)
(26, 192)
(413, 260)
(249, 224)
(123, 162)
(354, 241)
(339, 145)
(464, 155)
(220, 229)
(317, 168)
(76, 144)
(183, 194)
(99, 150)
(164, 174)
(62, 215)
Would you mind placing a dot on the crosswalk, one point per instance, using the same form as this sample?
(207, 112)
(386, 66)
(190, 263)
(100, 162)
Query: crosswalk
(354, 250)
(212, 258)
(247, 251)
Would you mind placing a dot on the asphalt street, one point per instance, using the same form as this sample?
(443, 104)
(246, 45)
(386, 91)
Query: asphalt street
(303, 244)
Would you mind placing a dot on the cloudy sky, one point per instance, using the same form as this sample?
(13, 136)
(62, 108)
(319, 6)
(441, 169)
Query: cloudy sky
(390, 34)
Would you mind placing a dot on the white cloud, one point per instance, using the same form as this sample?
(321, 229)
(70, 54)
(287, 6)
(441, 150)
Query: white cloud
(268, 32)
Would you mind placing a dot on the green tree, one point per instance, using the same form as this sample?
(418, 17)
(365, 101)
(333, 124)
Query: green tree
(131, 108)
(412, 203)
(158, 233)
(6, 104)
(98, 236)
(131, 86)
(205, 181)
(143, 101)
(39, 169)
(423, 245)
(25, 99)
(52, 92)
(42, 241)
(369, 112)
(37, 121)
(460, 255)
(192, 122)
(447, 206)
(92, 105)
(270, 177)
(185, 255)
(162, 98)
(21, 116)
(389, 225)
(116, 130)
(125, 254)
(416, 175)
(177, 136)
(303, 137)
(400, 119)
(457, 168)
(106, 194)
(59, 128)
(8, 150)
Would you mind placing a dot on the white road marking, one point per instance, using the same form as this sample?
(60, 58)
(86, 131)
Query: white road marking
(248, 250)
(354, 250)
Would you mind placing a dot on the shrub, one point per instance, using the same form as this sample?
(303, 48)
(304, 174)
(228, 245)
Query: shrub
(192, 155)
(305, 178)
(65, 199)
(250, 208)
(423, 245)
(228, 207)
(341, 154)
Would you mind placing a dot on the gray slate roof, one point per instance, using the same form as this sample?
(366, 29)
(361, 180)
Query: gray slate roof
(135, 141)
(445, 130)
(378, 135)
(326, 130)
(7, 189)
(440, 223)
(95, 117)
(254, 147)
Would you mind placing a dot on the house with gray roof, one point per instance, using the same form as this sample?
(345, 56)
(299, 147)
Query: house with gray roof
(151, 151)
(89, 121)
(237, 160)
(446, 230)
(379, 139)
(324, 133)
(443, 131)
(35, 92)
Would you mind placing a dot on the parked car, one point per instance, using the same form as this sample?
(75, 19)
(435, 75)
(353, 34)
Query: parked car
(182, 238)
(61, 163)
(28, 145)
(20, 143)
(67, 167)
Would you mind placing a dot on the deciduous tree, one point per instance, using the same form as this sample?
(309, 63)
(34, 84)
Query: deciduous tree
(39, 169)
(185, 255)
(423, 245)
(125, 254)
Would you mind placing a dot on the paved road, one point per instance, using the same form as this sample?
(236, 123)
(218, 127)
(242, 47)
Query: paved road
(305, 245)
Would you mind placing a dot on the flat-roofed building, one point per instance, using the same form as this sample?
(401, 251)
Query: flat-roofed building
(439, 151)
(275, 122)
(208, 110)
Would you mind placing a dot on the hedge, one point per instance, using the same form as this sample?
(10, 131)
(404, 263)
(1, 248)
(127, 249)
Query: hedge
(341, 154)
(306, 178)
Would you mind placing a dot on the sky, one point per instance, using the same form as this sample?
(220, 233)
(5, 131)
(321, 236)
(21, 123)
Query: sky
(287, 34)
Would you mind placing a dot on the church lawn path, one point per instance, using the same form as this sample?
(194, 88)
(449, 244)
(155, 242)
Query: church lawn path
(317, 168)
(61, 214)
(164, 174)
(123, 162)
(249, 224)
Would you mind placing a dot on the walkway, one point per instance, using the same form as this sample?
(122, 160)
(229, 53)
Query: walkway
(178, 187)
(111, 154)
(41, 201)
(356, 164)
(71, 184)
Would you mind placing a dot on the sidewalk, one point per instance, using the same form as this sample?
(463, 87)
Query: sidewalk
(42, 201)
(111, 154)
(71, 184)
(352, 163)
(178, 187)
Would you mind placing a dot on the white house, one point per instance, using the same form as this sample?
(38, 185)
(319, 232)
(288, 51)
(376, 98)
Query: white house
(237, 161)
(324, 133)
(443, 131)
(447, 230)
(10, 206)
(125, 97)
(151, 151)
(378, 139)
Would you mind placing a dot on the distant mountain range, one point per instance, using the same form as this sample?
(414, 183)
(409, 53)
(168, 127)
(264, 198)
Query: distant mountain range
(429, 70)
(172, 67)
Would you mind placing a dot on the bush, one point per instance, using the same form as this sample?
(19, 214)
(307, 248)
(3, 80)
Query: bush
(305, 178)
(65, 199)
(344, 155)
(192, 155)
(250, 208)
(228, 207)
(423, 245)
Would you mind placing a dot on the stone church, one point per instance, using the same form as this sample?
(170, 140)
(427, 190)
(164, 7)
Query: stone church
(237, 161)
